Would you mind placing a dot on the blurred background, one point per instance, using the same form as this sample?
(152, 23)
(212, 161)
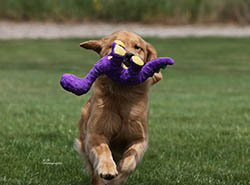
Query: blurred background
(172, 12)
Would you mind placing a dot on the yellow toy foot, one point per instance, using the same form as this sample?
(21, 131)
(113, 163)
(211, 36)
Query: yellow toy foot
(120, 43)
(137, 60)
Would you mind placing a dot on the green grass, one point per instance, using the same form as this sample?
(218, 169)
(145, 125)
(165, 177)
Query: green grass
(199, 116)
(161, 11)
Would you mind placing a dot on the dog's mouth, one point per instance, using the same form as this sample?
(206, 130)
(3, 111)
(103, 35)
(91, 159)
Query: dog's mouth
(126, 62)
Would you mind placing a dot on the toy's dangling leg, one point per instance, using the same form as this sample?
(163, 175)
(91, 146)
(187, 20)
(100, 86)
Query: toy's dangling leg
(116, 57)
(75, 84)
(154, 66)
(134, 69)
(136, 65)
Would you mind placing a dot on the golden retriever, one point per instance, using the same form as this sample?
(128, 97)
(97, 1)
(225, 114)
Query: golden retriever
(114, 122)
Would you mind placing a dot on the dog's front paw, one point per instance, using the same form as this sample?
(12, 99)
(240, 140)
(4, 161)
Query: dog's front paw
(107, 170)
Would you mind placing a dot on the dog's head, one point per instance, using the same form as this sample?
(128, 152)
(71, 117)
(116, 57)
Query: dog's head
(134, 45)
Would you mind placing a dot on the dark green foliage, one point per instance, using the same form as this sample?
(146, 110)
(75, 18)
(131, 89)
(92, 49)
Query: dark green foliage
(161, 11)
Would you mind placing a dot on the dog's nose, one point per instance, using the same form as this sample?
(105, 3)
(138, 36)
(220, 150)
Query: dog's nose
(129, 55)
(127, 59)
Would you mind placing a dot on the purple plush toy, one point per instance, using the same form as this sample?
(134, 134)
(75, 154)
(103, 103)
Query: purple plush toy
(112, 65)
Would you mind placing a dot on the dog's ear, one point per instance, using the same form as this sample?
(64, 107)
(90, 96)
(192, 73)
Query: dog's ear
(152, 54)
(95, 45)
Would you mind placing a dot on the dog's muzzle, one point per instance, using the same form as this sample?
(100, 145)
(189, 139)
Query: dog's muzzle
(127, 58)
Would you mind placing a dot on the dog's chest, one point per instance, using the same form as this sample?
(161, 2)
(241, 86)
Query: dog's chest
(128, 122)
(125, 110)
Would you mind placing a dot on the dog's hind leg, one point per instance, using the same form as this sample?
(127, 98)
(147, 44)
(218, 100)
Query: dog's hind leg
(130, 159)
(79, 148)
(82, 123)
(79, 145)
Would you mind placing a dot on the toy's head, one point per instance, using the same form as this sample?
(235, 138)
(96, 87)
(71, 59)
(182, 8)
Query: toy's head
(129, 61)
(133, 43)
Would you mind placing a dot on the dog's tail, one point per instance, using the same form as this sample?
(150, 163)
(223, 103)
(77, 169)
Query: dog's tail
(78, 146)
(80, 151)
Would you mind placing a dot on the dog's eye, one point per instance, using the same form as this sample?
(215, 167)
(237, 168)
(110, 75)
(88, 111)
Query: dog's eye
(138, 47)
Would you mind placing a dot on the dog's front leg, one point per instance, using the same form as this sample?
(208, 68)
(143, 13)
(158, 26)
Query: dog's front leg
(130, 159)
(101, 157)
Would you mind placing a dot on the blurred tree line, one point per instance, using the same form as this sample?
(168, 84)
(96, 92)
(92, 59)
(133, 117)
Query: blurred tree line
(153, 11)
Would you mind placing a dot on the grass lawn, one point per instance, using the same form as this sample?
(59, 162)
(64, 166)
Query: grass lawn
(199, 117)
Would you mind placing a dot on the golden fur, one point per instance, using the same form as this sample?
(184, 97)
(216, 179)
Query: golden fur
(114, 122)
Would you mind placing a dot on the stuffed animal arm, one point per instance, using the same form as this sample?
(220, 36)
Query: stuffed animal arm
(113, 66)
